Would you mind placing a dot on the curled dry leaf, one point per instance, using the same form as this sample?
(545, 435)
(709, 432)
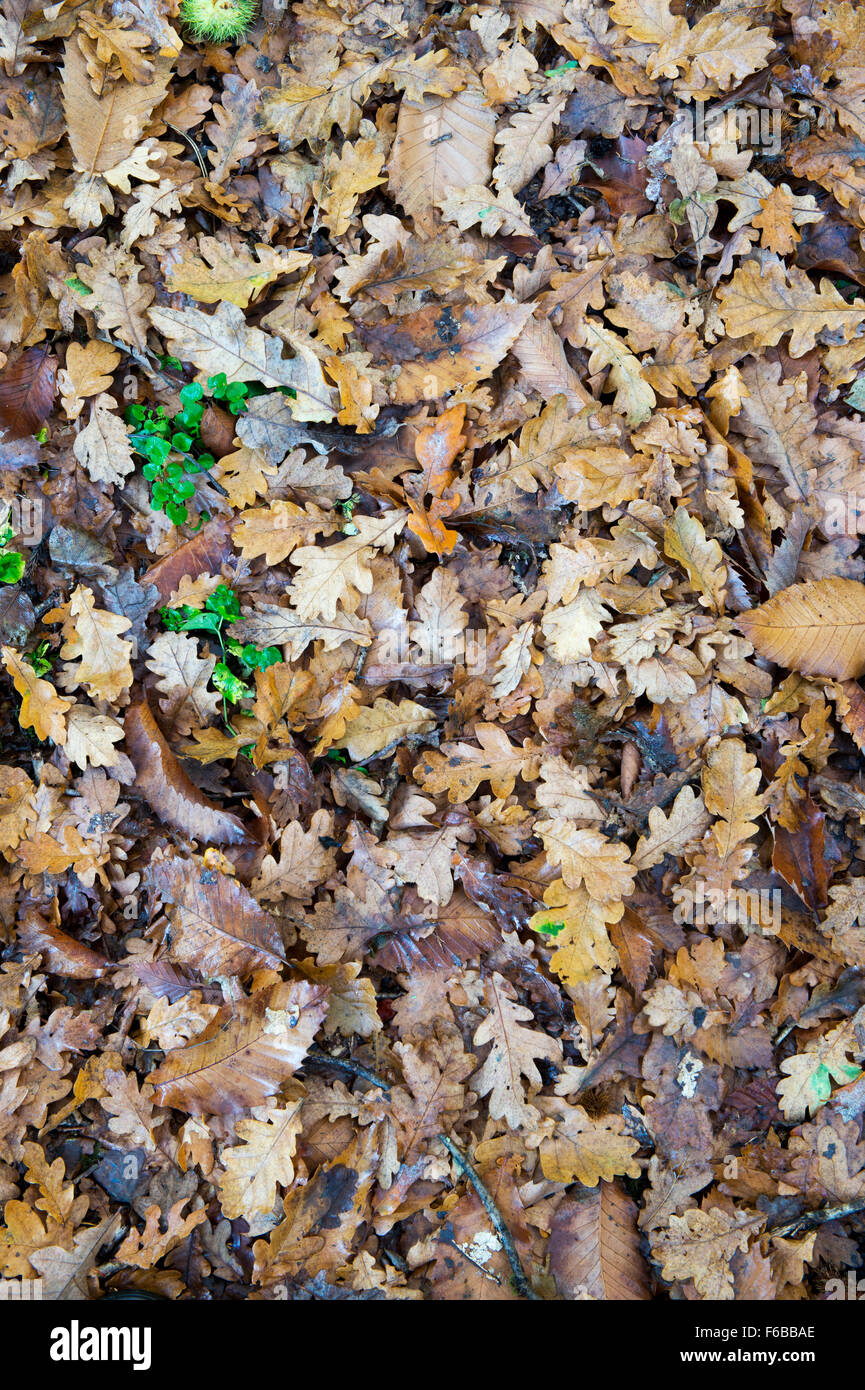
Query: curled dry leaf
(166, 787)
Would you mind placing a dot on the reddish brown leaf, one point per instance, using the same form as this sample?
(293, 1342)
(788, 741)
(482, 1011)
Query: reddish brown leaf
(27, 392)
(167, 789)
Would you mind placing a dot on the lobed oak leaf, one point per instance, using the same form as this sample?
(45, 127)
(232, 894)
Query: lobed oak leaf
(671, 834)
(91, 738)
(808, 1076)
(685, 542)
(300, 110)
(526, 144)
(65, 1272)
(634, 396)
(351, 1001)
(268, 626)
(42, 709)
(496, 212)
(119, 301)
(586, 1149)
(144, 1249)
(355, 170)
(700, 1246)
(322, 1216)
(87, 372)
(224, 342)
(764, 302)
(424, 858)
(459, 769)
(93, 635)
(277, 530)
(304, 862)
(261, 1163)
(187, 700)
(513, 1055)
(381, 725)
(328, 575)
(586, 856)
(570, 630)
(576, 925)
(17, 805)
(235, 131)
(218, 271)
(431, 1099)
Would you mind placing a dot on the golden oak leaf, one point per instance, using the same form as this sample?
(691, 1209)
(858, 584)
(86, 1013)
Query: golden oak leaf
(382, 725)
(219, 271)
(586, 856)
(513, 1054)
(117, 298)
(261, 1163)
(17, 807)
(42, 709)
(277, 530)
(634, 396)
(700, 1245)
(143, 1249)
(64, 1270)
(459, 769)
(685, 542)
(766, 302)
(88, 372)
(808, 1076)
(575, 924)
(671, 834)
(328, 575)
(434, 1065)
(586, 1148)
(93, 635)
(355, 170)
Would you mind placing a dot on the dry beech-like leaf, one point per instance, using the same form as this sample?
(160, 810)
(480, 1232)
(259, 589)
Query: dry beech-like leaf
(595, 1247)
(166, 787)
(248, 1051)
(817, 628)
(218, 928)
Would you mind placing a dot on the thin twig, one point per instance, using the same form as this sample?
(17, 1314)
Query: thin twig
(810, 1219)
(523, 1287)
(346, 1064)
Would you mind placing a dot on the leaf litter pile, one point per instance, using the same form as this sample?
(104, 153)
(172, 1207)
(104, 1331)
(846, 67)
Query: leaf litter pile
(432, 612)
